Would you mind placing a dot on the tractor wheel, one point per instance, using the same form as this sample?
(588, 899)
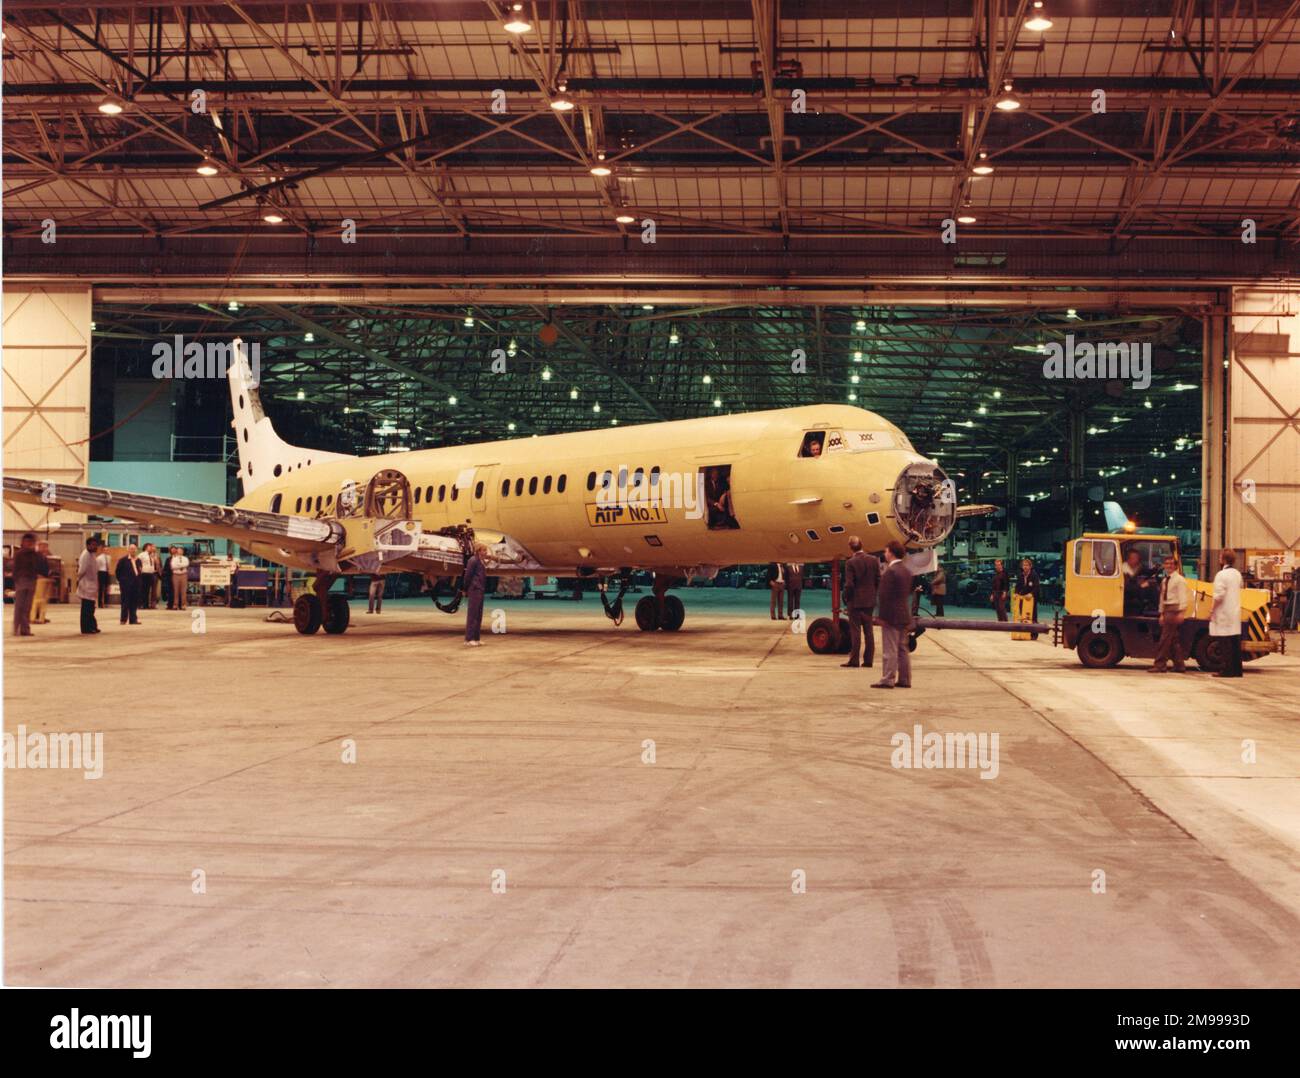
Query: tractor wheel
(647, 614)
(337, 614)
(306, 614)
(1210, 653)
(1099, 650)
(674, 614)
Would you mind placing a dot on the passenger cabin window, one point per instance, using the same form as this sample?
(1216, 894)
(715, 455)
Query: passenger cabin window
(717, 497)
(813, 442)
(546, 485)
(442, 492)
(417, 495)
(559, 484)
(505, 488)
(591, 480)
(606, 480)
(1096, 557)
(478, 489)
(654, 477)
(297, 506)
(455, 492)
(275, 503)
(428, 493)
(532, 485)
(519, 487)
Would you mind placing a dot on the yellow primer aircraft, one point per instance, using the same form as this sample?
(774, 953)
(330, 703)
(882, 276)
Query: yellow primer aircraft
(682, 499)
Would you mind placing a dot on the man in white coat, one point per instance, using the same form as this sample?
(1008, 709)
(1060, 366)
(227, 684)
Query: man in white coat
(1225, 614)
(88, 585)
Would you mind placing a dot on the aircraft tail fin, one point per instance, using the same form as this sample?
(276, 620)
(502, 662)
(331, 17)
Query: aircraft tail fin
(263, 455)
(1115, 518)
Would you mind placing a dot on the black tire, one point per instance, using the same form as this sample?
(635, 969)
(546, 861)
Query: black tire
(1100, 650)
(306, 614)
(337, 614)
(821, 637)
(674, 614)
(647, 614)
(1210, 653)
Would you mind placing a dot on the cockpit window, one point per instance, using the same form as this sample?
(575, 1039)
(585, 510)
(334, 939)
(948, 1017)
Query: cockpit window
(813, 443)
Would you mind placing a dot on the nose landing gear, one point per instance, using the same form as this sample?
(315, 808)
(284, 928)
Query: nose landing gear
(661, 610)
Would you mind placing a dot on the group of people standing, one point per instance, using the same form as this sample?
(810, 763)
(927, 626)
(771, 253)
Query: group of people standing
(879, 592)
(785, 581)
(141, 574)
(1003, 586)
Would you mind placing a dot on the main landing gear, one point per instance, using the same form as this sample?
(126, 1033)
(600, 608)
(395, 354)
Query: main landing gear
(661, 610)
(320, 609)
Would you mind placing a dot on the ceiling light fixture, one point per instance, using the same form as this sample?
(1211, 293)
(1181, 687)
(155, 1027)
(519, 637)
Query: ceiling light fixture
(1038, 21)
(983, 168)
(111, 106)
(207, 168)
(517, 23)
(1008, 102)
(625, 219)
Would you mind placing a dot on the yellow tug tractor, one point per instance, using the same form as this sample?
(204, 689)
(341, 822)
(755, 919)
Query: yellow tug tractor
(1103, 630)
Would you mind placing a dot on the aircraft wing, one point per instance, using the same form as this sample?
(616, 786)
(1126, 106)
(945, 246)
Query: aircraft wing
(975, 510)
(178, 516)
(326, 542)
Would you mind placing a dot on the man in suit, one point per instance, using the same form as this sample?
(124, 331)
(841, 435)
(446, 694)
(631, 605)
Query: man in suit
(861, 582)
(29, 567)
(793, 587)
(1225, 613)
(88, 585)
(128, 583)
(895, 620)
(475, 585)
(1027, 583)
(776, 582)
(1173, 611)
(999, 589)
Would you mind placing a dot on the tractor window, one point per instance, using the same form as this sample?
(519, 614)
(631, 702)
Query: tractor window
(1096, 557)
(813, 443)
(1153, 551)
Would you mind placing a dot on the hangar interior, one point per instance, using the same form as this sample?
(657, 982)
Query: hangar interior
(440, 231)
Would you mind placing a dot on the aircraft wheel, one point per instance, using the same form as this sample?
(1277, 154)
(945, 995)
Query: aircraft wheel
(674, 614)
(1210, 653)
(821, 637)
(1099, 650)
(306, 614)
(911, 641)
(337, 614)
(647, 615)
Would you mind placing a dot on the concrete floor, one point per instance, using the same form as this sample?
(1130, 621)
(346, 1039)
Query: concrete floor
(223, 754)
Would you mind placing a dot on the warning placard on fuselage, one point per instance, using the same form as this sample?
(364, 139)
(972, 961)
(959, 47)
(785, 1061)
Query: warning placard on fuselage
(600, 516)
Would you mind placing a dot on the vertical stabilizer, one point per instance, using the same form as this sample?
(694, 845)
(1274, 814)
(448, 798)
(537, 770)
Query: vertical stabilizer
(263, 456)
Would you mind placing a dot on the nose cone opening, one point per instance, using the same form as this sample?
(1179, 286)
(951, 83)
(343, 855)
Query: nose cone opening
(925, 503)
